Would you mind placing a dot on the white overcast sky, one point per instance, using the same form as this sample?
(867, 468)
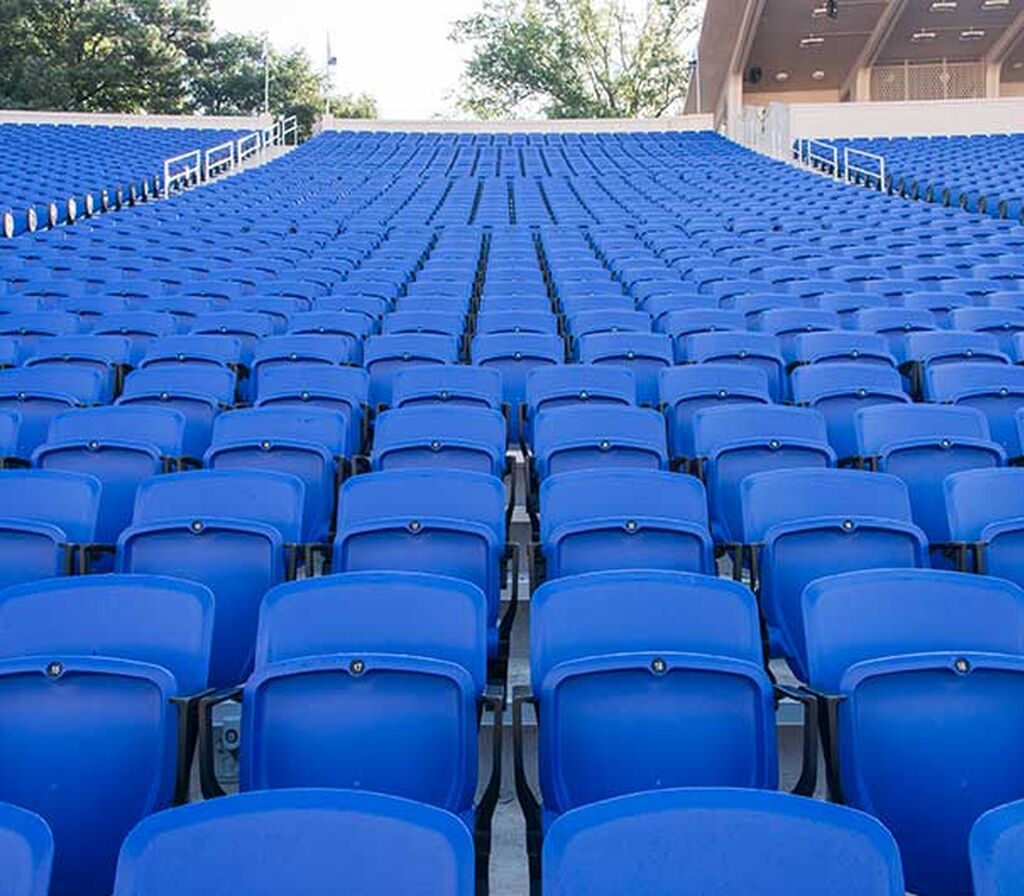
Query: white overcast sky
(396, 50)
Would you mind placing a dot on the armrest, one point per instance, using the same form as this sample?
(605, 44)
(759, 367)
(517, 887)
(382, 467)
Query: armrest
(528, 800)
(808, 781)
(207, 775)
(508, 619)
(828, 720)
(538, 565)
(493, 700)
(89, 552)
(188, 724)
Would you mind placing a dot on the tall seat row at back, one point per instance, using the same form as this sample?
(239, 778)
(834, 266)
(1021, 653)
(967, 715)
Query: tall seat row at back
(279, 461)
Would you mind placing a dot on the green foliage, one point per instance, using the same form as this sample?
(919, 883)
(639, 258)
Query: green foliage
(576, 58)
(157, 56)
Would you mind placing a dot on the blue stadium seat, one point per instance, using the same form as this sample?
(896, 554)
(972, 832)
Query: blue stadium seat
(1003, 323)
(247, 327)
(646, 354)
(32, 326)
(847, 346)
(448, 385)
(311, 443)
(805, 524)
(997, 850)
(683, 391)
(585, 437)
(511, 321)
(760, 350)
(383, 356)
(341, 389)
(984, 517)
(377, 844)
(109, 356)
(139, 327)
(38, 394)
(839, 391)
(12, 352)
(593, 520)
(915, 664)
(514, 356)
(447, 522)
(232, 530)
(284, 351)
(200, 351)
(434, 437)
(571, 385)
(923, 444)
(683, 651)
(26, 852)
(335, 655)
(994, 389)
(199, 393)
(894, 323)
(121, 447)
(10, 425)
(94, 678)
(732, 442)
(440, 323)
(586, 323)
(720, 843)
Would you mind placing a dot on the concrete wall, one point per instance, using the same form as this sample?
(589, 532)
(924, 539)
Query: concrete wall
(764, 97)
(212, 122)
(579, 126)
(914, 119)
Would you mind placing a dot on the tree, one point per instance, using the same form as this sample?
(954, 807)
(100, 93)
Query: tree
(158, 56)
(99, 55)
(576, 58)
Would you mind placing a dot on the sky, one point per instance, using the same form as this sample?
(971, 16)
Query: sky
(396, 50)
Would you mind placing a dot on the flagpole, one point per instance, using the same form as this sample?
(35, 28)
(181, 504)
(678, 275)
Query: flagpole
(266, 73)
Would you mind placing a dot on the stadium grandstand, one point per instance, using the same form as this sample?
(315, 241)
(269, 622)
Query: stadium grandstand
(559, 507)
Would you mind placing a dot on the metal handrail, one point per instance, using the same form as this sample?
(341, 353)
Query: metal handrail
(852, 170)
(832, 158)
(290, 126)
(188, 173)
(248, 146)
(214, 166)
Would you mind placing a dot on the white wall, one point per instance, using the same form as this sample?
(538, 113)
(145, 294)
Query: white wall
(915, 119)
(221, 122)
(590, 125)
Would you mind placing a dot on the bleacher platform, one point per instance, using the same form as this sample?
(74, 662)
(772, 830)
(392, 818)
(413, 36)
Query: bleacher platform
(50, 172)
(630, 454)
(981, 174)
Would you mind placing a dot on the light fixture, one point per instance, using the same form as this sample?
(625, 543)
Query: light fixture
(782, 76)
(994, 4)
(943, 6)
(972, 34)
(920, 36)
(812, 40)
(1017, 66)
(818, 75)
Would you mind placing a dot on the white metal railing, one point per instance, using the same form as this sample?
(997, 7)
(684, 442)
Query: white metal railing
(290, 127)
(216, 161)
(855, 170)
(248, 146)
(824, 154)
(191, 170)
